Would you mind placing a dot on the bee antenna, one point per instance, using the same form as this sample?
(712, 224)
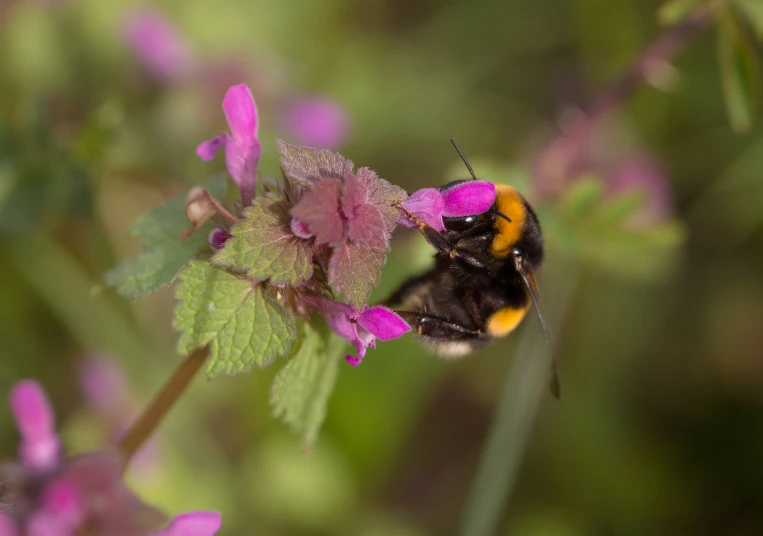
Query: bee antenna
(468, 166)
(501, 214)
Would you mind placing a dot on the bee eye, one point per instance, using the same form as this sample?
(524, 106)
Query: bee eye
(460, 224)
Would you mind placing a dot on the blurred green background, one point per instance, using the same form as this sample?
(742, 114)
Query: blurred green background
(660, 427)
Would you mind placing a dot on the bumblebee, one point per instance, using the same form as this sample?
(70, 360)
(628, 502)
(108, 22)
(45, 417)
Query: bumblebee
(483, 282)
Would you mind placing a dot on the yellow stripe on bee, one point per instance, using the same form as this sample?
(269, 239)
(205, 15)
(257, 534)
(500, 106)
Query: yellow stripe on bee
(510, 203)
(505, 320)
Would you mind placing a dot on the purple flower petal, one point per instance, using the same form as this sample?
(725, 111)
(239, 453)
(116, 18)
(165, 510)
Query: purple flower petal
(426, 204)
(317, 122)
(158, 44)
(300, 229)
(352, 360)
(383, 323)
(208, 149)
(7, 526)
(241, 160)
(241, 112)
(218, 237)
(193, 524)
(467, 198)
(61, 512)
(40, 447)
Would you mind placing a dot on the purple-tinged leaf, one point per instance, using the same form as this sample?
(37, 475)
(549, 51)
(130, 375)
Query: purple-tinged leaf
(354, 271)
(383, 196)
(318, 209)
(367, 228)
(307, 165)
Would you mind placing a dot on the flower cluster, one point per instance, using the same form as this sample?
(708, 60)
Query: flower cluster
(340, 221)
(47, 494)
(339, 224)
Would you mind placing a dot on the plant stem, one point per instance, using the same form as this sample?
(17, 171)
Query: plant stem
(525, 387)
(142, 429)
(557, 160)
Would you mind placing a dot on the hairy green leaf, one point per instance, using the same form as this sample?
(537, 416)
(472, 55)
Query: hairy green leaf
(243, 325)
(740, 74)
(263, 246)
(354, 272)
(301, 390)
(164, 254)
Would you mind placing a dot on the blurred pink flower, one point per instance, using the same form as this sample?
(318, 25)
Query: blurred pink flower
(316, 122)
(242, 148)
(361, 329)
(54, 496)
(107, 393)
(40, 448)
(158, 44)
(104, 385)
(192, 524)
(642, 173)
(47, 495)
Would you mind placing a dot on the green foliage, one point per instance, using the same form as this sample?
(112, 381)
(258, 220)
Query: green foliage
(243, 324)
(740, 73)
(164, 254)
(263, 246)
(300, 392)
(606, 232)
(752, 10)
(674, 10)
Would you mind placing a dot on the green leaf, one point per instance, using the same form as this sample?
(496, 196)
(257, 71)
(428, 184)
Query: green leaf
(354, 272)
(740, 75)
(583, 195)
(673, 11)
(243, 325)
(301, 390)
(263, 246)
(753, 13)
(616, 211)
(164, 254)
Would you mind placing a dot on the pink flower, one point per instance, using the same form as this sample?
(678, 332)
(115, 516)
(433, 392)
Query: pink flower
(192, 524)
(218, 237)
(242, 148)
(55, 496)
(107, 393)
(317, 122)
(40, 448)
(361, 329)
(465, 198)
(158, 44)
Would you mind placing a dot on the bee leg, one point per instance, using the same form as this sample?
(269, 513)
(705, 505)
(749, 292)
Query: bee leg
(441, 244)
(437, 328)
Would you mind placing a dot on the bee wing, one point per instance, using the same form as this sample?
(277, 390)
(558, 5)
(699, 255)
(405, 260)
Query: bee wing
(531, 285)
